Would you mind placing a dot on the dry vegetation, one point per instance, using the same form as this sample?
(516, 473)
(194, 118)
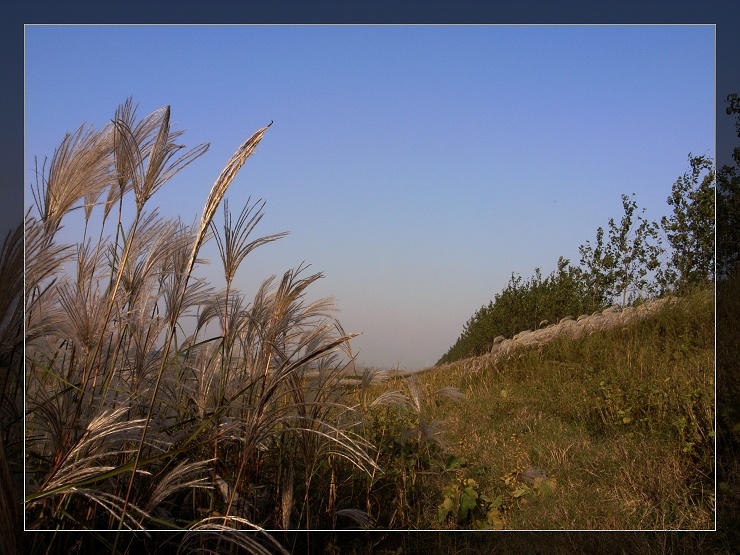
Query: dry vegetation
(156, 402)
(134, 423)
(621, 421)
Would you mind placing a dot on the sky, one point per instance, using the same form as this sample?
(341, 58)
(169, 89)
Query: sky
(416, 167)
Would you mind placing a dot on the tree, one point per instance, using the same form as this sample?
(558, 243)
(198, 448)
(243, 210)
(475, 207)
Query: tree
(595, 270)
(522, 305)
(728, 203)
(690, 230)
(625, 264)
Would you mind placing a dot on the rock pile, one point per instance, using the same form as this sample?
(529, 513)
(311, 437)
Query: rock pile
(575, 328)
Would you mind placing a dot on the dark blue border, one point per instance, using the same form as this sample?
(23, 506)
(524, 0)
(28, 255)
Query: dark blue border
(14, 14)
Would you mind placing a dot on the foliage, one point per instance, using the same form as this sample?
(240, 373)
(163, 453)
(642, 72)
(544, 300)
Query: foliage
(251, 419)
(520, 491)
(466, 507)
(728, 409)
(622, 265)
(155, 400)
(624, 419)
(728, 203)
(410, 450)
(11, 389)
(727, 347)
(690, 229)
(523, 305)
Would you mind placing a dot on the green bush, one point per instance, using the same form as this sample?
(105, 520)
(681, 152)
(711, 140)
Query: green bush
(524, 305)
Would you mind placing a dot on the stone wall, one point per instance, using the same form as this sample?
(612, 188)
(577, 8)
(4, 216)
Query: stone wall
(575, 328)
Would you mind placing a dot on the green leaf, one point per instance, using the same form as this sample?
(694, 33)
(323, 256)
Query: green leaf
(449, 505)
(450, 492)
(454, 462)
(468, 502)
(522, 491)
(471, 493)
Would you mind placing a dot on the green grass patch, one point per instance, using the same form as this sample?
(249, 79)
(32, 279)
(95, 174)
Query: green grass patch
(619, 423)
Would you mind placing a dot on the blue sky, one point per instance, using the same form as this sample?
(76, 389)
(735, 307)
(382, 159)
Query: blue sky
(417, 167)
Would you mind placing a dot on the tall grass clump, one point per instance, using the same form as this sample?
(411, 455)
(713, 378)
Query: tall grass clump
(155, 400)
(11, 390)
(398, 417)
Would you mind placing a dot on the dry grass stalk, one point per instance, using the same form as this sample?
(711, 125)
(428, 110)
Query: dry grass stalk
(11, 388)
(132, 422)
(79, 169)
(219, 190)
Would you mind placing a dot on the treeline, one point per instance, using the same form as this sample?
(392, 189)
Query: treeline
(629, 261)
(523, 305)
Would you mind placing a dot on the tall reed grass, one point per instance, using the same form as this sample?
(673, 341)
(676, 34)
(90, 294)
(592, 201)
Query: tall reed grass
(165, 414)
(11, 390)
(133, 422)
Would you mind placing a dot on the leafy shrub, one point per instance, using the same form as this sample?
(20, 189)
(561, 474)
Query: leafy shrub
(410, 450)
(523, 305)
(467, 507)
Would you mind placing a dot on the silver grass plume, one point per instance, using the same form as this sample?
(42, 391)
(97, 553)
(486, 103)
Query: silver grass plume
(219, 189)
(79, 169)
(218, 534)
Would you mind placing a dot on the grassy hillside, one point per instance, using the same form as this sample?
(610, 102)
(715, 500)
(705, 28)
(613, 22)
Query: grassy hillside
(612, 431)
(257, 419)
